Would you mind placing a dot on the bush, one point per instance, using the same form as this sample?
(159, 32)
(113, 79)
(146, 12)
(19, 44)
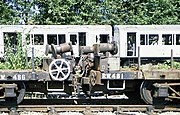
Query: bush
(15, 57)
(167, 65)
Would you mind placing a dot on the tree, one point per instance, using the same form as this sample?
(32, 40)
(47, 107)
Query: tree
(79, 12)
(68, 12)
(23, 10)
(7, 14)
(153, 12)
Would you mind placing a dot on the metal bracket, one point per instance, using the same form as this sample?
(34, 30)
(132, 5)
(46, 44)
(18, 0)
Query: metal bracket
(122, 88)
(48, 89)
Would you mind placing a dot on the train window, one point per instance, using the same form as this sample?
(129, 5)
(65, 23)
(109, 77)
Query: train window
(73, 39)
(82, 39)
(52, 39)
(142, 39)
(28, 39)
(61, 38)
(153, 39)
(149, 39)
(104, 38)
(177, 39)
(167, 39)
(38, 39)
(11, 38)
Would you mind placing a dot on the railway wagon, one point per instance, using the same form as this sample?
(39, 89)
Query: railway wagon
(96, 73)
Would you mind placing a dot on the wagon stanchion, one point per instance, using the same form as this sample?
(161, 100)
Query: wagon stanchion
(139, 58)
(33, 71)
(172, 59)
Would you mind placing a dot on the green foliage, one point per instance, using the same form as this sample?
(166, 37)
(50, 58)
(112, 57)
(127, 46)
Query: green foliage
(15, 56)
(7, 14)
(167, 65)
(108, 12)
(112, 12)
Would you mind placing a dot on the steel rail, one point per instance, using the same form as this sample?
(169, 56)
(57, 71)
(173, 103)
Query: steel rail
(86, 109)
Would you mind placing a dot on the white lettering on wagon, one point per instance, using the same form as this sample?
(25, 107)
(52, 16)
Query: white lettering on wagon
(19, 77)
(112, 76)
(2, 76)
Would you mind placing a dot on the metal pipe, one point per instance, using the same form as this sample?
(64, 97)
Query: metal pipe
(172, 59)
(139, 58)
(32, 60)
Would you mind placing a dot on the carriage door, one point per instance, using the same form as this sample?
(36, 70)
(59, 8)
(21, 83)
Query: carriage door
(77, 39)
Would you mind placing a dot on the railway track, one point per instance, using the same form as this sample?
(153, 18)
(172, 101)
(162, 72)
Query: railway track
(88, 109)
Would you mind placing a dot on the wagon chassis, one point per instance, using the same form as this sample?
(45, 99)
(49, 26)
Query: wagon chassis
(13, 85)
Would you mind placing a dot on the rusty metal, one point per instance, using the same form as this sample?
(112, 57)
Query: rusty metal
(173, 97)
(168, 85)
(62, 48)
(90, 109)
(161, 75)
(99, 48)
(174, 91)
(93, 77)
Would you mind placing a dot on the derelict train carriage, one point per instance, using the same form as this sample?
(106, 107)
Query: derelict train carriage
(40, 35)
(84, 62)
(154, 41)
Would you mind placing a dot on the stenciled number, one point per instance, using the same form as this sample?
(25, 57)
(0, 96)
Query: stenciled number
(19, 77)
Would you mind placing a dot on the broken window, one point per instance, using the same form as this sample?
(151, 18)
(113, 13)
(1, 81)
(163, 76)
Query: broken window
(104, 38)
(149, 39)
(52, 39)
(153, 39)
(73, 39)
(61, 38)
(167, 39)
(177, 39)
(11, 38)
(38, 39)
(142, 39)
(28, 40)
(82, 39)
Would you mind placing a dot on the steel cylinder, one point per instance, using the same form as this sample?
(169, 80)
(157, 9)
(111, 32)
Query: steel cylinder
(86, 49)
(62, 48)
(100, 48)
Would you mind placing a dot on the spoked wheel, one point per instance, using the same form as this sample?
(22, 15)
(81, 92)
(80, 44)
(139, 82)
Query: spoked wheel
(146, 92)
(59, 69)
(19, 91)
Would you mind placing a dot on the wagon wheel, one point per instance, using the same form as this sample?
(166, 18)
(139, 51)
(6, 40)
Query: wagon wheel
(146, 91)
(21, 92)
(59, 69)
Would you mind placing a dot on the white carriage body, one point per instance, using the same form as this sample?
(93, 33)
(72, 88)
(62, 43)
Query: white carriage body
(128, 37)
(154, 41)
(41, 35)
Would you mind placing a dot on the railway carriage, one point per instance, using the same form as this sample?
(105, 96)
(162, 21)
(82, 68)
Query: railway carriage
(38, 36)
(155, 42)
